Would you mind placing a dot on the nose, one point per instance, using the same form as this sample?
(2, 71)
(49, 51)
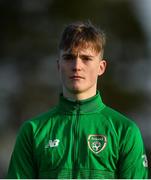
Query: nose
(77, 64)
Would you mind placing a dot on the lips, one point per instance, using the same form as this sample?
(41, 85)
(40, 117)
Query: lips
(76, 77)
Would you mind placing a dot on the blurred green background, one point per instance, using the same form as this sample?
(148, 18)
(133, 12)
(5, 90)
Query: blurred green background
(29, 82)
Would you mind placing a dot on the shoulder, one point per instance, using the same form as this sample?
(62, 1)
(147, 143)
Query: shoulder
(119, 122)
(125, 129)
(117, 117)
(35, 123)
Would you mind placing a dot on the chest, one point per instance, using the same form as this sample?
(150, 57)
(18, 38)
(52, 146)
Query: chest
(77, 143)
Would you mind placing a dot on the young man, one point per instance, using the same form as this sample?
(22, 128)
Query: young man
(81, 137)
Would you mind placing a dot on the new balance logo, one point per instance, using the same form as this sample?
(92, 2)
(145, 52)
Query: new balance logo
(53, 143)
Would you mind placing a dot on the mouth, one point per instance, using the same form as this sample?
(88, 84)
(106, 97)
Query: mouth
(76, 77)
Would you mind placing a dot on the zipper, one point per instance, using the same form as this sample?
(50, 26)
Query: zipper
(76, 137)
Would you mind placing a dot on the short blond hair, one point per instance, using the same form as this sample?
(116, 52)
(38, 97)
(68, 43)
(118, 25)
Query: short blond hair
(82, 34)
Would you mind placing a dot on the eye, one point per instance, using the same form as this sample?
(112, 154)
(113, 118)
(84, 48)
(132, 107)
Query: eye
(67, 57)
(86, 58)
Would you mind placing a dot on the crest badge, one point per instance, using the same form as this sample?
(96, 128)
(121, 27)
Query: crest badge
(97, 143)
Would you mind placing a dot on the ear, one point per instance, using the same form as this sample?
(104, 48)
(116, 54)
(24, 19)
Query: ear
(102, 67)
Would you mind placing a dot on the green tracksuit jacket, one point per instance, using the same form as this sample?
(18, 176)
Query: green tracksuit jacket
(81, 139)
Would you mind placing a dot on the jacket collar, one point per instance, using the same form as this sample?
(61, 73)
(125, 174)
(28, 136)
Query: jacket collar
(87, 106)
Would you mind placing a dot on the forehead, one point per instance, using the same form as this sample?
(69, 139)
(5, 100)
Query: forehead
(88, 50)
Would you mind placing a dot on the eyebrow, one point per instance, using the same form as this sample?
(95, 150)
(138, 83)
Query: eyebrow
(67, 54)
(84, 55)
(71, 54)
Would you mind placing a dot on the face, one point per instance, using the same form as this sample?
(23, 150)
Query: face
(79, 70)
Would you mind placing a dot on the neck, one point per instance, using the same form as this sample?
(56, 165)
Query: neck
(75, 95)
